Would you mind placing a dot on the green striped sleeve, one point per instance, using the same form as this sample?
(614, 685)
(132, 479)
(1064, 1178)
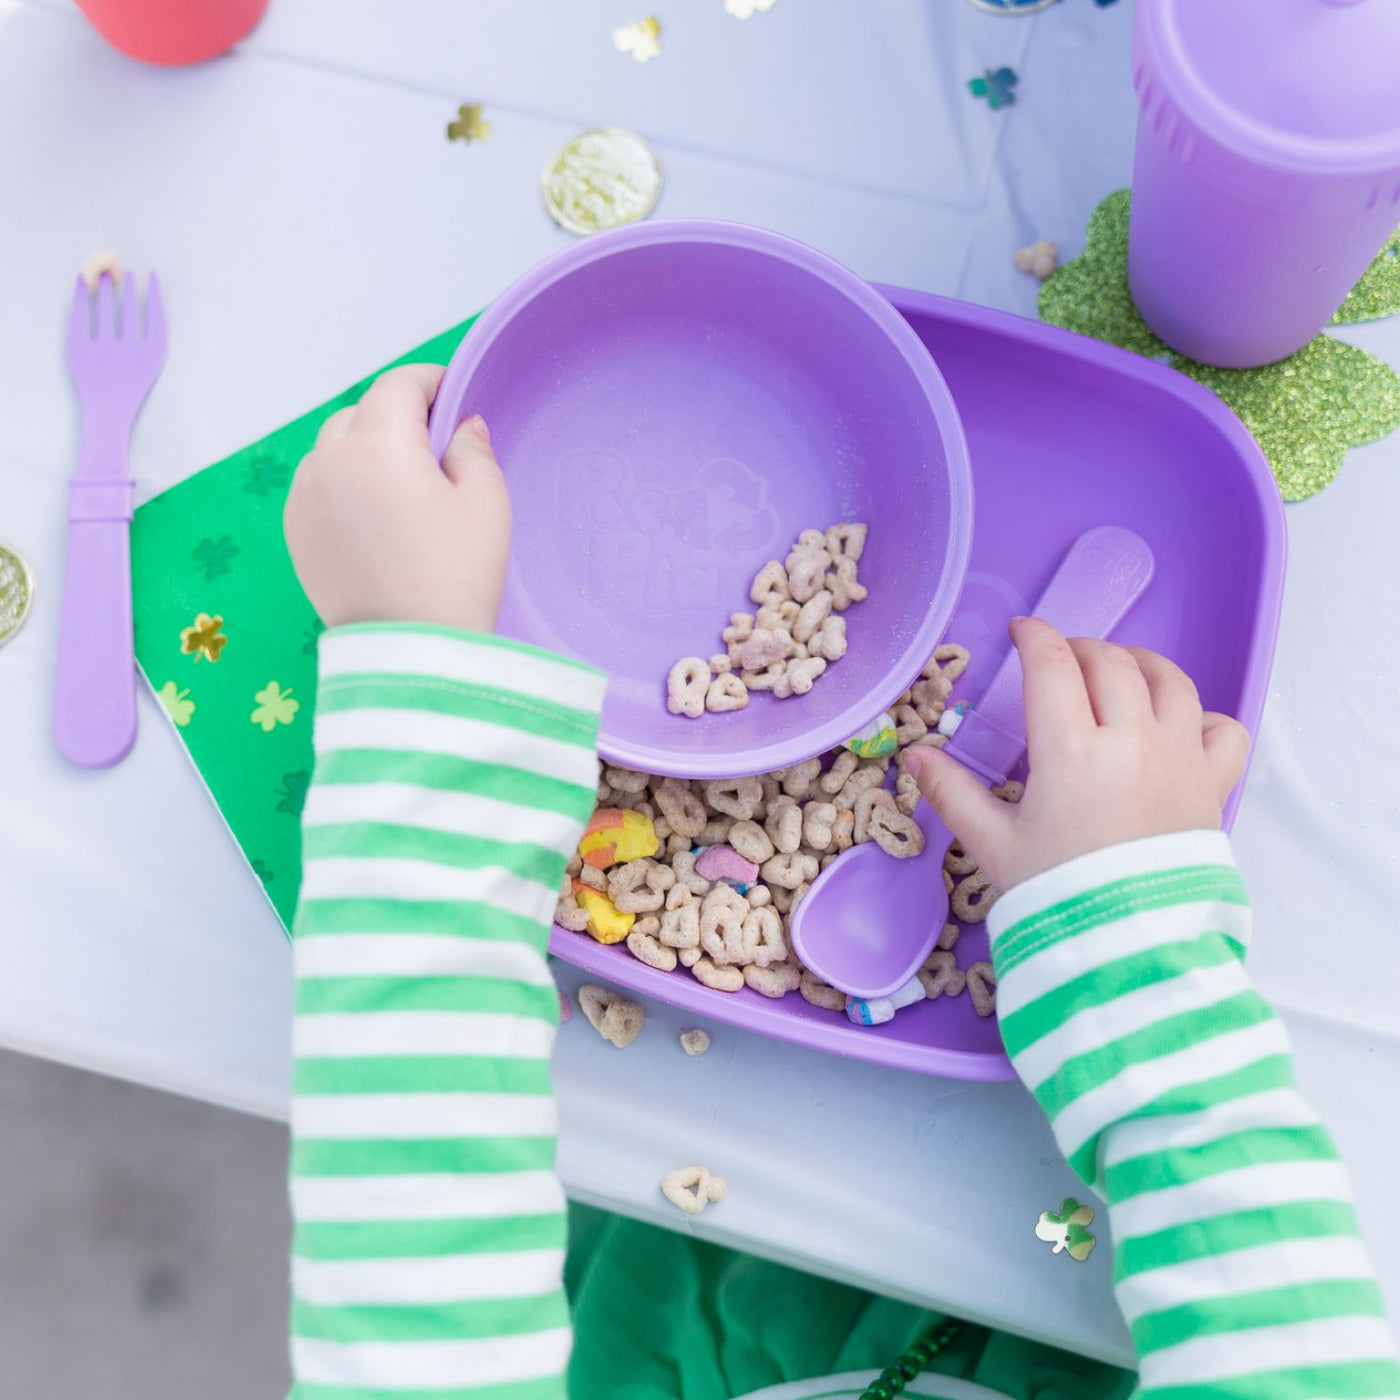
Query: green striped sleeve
(1126, 1009)
(454, 774)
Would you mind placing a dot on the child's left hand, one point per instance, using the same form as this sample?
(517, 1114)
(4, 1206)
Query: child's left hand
(379, 532)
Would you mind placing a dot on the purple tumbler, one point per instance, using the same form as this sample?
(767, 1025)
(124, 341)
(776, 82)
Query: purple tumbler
(1267, 174)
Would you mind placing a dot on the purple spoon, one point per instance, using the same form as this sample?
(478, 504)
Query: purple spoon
(869, 921)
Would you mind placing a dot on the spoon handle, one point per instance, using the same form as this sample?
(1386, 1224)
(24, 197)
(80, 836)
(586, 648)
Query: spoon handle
(1102, 576)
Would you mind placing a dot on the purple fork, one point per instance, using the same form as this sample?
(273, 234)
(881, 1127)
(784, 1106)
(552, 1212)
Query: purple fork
(114, 366)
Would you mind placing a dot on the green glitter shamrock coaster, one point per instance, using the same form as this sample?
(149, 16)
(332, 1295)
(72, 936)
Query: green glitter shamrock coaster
(1305, 411)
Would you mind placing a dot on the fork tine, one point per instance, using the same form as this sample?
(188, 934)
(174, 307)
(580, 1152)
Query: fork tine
(131, 308)
(80, 317)
(155, 313)
(106, 308)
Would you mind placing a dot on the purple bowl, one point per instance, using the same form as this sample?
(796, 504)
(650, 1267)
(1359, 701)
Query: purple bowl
(673, 403)
(1067, 434)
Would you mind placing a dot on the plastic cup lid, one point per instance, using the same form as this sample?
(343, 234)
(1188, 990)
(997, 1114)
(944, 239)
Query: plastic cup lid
(1291, 82)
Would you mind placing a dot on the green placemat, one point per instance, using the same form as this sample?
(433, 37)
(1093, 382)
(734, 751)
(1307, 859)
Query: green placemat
(227, 638)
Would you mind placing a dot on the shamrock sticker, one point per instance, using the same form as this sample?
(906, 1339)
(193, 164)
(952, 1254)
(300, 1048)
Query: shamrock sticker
(1067, 1229)
(275, 706)
(996, 86)
(1305, 412)
(639, 37)
(215, 556)
(470, 124)
(177, 703)
(205, 638)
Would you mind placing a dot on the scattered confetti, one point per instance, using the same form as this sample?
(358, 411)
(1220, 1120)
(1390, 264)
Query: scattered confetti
(1038, 259)
(177, 703)
(215, 557)
(600, 180)
(747, 9)
(639, 37)
(996, 86)
(1067, 1229)
(1304, 411)
(16, 592)
(470, 124)
(275, 706)
(95, 264)
(205, 638)
(292, 794)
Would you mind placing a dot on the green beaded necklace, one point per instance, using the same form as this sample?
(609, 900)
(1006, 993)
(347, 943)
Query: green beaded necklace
(904, 1368)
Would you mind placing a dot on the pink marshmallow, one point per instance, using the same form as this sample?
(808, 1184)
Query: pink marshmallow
(725, 863)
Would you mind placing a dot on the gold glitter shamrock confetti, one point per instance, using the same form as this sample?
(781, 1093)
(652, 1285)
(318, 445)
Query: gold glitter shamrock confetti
(747, 9)
(1067, 1229)
(639, 37)
(1305, 411)
(205, 638)
(470, 124)
(1377, 294)
(177, 703)
(275, 706)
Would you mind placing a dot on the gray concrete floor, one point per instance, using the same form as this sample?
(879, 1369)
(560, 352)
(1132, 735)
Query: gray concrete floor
(143, 1243)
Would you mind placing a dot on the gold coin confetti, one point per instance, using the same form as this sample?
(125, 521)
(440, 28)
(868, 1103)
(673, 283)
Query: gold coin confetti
(470, 124)
(16, 592)
(600, 180)
(639, 37)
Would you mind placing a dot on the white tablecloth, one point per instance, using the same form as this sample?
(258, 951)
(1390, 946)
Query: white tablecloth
(309, 221)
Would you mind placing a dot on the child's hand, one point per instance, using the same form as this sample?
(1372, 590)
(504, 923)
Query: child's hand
(379, 532)
(1119, 749)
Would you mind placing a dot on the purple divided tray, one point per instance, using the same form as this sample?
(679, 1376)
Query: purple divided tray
(1064, 433)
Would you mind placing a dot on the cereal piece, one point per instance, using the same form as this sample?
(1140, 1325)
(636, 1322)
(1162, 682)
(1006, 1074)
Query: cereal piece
(784, 825)
(799, 677)
(957, 861)
(1011, 791)
(846, 541)
(818, 993)
(758, 896)
(949, 937)
(911, 726)
(974, 898)
(866, 803)
(939, 975)
(680, 927)
(830, 642)
(683, 863)
(777, 617)
(906, 793)
(843, 830)
(789, 870)
(726, 693)
(770, 585)
(951, 660)
(740, 628)
(695, 1042)
(569, 913)
(982, 987)
(734, 797)
(594, 878)
(686, 687)
(574, 864)
(763, 936)
(617, 1021)
(640, 886)
(842, 766)
(649, 924)
(650, 950)
(625, 780)
(765, 679)
(615, 835)
(681, 807)
(606, 922)
(693, 1188)
(868, 775)
(815, 612)
(716, 978)
(689, 956)
(716, 831)
(722, 934)
(947, 883)
(1039, 259)
(676, 844)
(845, 587)
(775, 981)
(764, 648)
(751, 842)
(721, 663)
(930, 697)
(896, 834)
(806, 571)
(818, 818)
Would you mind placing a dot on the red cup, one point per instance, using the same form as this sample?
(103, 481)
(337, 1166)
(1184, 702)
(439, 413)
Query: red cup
(173, 32)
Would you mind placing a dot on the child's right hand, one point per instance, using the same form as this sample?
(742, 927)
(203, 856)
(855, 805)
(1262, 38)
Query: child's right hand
(1119, 748)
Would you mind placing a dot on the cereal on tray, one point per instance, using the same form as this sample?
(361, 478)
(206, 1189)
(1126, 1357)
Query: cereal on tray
(705, 875)
(795, 634)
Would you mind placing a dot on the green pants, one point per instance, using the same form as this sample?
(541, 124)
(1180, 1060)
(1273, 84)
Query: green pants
(660, 1316)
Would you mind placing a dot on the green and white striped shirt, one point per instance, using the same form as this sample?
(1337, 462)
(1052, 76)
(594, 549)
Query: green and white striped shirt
(454, 775)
